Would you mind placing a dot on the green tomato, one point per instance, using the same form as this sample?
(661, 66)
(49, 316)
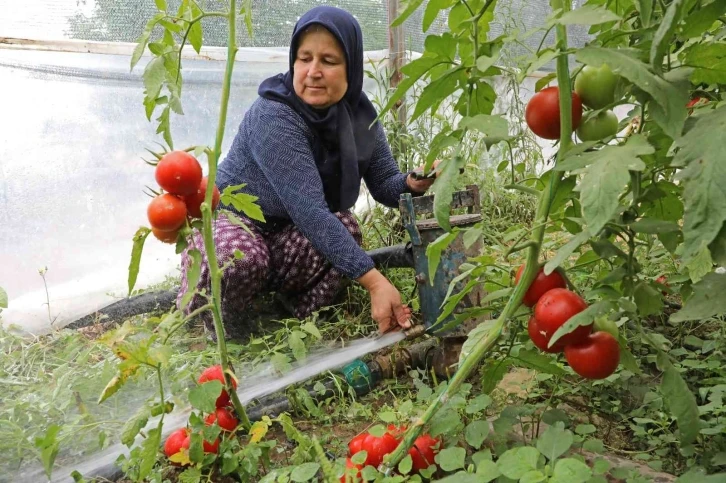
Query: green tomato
(599, 126)
(596, 86)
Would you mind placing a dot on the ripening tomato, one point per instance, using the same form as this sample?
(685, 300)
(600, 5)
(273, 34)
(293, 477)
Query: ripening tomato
(179, 173)
(540, 338)
(596, 86)
(423, 451)
(211, 447)
(194, 201)
(349, 475)
(224, 418)
(540, 285)
(543, 113)
(215, 373)
(165, 236)
(600, 126)
(376, 447)
(396, 431)
(166, 212)
(554, 309)
(176, 441)
(596, 357)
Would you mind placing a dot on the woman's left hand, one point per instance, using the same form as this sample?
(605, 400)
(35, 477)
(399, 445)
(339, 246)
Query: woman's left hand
(421, 185)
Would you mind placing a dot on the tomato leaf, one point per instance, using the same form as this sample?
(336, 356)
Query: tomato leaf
(438, 90)
(161, 5)
(544, 81)
(681, 402)
(570, 470)
(671, 99)
(136, 249)
(491, 126)
(304, 472)
(516, 462)
(433, 7)
(405, 465)
(195, 30)
(703, 178)
(48, 446)
(204, 396)
(242, 202)
(537, 361)
(3, 299)
(662, 38)
(555, 441)
(700, 265)
(698, 22)
(144, 39)
(149, 450)
(164, 126)
(585, 317)
(708, 61)
(707, 299)
(413, 71)
(645, 8)
(191, 475)
(295, 340)
(434, 250)
(444, 190)
(135, 424)
(588, 15)
(647, 299)
(476, 432)
(411, 6)
(450, 459)
(566, 250)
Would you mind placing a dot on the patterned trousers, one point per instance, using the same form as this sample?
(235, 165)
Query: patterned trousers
(283, 261)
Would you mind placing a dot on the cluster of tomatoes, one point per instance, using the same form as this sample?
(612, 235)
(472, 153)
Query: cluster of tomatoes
(593, 355)
(594, 88)
(180, 175)
(176, 446)
(422, 452)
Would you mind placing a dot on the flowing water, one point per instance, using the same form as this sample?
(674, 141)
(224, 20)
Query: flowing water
(266, 381)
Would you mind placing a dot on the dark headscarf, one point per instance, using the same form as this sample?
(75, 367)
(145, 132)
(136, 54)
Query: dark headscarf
(343, 141)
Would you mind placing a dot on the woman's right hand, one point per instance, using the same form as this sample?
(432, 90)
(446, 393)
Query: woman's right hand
(386, 307)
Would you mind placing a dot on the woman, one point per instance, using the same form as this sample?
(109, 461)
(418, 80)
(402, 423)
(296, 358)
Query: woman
(302, 148)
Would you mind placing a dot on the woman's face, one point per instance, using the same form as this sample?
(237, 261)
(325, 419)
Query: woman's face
(319, 72)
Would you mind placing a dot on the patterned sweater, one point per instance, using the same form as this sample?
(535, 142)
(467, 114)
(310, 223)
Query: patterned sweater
(272, 153)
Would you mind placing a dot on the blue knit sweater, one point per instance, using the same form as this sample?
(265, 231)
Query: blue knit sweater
(272, 153)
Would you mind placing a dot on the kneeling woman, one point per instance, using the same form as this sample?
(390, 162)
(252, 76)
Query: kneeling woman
(302, 148)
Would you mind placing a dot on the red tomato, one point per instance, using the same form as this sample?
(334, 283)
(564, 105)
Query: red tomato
(354, 476)
(542, 283)
(166, 212)
(224, 418)
(539, 337)
(423, 451)
(376, 447)
(165, 236)
(543, 113)
(396, 431)
(179, 173)
(176, 441)
(194, 200)
(595, 358)
(211, 447)
(215, 373)
(554, 309)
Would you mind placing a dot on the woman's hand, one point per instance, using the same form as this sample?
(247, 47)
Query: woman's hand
(386, 307)
(422, 185)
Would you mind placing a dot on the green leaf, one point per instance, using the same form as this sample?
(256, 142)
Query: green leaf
(493, 374)
(433, 7)
(297, 345)
(442, 45)
(411, 6)
(585, 317)
(204, 396)
(704, 179)
(536, 360)
(588, 15)
(698, 475)
(671, 99)
(517, 462)
(193, 272)
(647, 299)
(48, 446)
(662, 38)
(144, 39)
(132, 427)
(645, 8)
(542, 83)
(594, 446)
(3, 299)
(242, 202)
(164, 126)
(191, 475)
(444, 190)
(555, 441)
(304, 472)
(360, 457)
(445, 421)
(137, 248)
(476, 432)
(434, 250)
(450, 459)
(570, 470)
(458, 477)
(652, 226)
(682, 404)
(566, 250)
(698, 22)
(161, 5)
(474, 337)
(405, 465)
(195, 30)
(438, 90)
(700, 265)
(487, 471)
(708, 61)
(149, 451)
(491, 126)
(281, 363)
(478, 404)
(414, 71)
(312, 329)
(154, 75)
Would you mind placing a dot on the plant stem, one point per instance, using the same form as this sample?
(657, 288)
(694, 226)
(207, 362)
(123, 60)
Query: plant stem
(215, 274)
(468, 362)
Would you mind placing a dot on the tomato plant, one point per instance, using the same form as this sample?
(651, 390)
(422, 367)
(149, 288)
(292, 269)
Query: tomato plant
(596, 86)
(166, 212)
(541, 284)
(554, 309)
(596, 357)
(543, 113)
(216, 373)
(195, 200)
(178, 173)
(598, 126)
